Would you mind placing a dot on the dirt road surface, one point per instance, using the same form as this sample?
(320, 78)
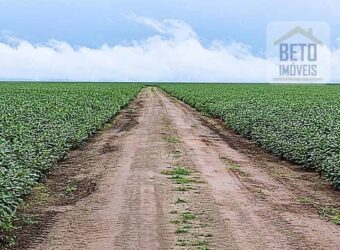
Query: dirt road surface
(231, 195)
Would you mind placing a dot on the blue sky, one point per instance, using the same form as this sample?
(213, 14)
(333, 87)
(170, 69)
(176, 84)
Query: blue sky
(91, 24)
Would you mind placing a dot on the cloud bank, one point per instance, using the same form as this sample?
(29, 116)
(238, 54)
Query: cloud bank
(174, 54)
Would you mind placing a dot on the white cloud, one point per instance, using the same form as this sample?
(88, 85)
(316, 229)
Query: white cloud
(335, 4)
(175, 54)
(175, 28)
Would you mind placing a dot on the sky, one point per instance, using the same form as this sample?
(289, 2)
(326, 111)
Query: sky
(130, 40)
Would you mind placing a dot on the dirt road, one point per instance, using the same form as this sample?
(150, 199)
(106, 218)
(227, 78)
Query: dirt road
(164, 177)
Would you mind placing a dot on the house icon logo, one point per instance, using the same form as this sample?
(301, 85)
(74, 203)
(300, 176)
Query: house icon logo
(297, 52)
(299, 31)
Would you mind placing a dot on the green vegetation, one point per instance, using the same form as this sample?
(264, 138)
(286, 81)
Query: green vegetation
(175, 222)
(171, 139)
(305, 200)
(187, 216)
(187, 221)
(180, 179)
(183, 188)
(183, 229)
(180, 176)
(40, 123)
(331, 214)
(201, 244)
(176, 171)
(300, 123)
(70, 189)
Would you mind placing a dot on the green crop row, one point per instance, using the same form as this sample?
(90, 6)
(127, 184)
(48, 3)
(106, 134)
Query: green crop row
(40, 123)
(300, 123)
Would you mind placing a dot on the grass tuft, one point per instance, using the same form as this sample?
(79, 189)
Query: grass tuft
(331, 214)
(171, 139)
(176, 171)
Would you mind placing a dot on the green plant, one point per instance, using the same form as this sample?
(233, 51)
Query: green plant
(183, 229)
(202, 244)
(176, 171)
(172, 139)
(305, 200)
(175, 221)
(40, 123)
(30, 220)
(331, 214)
(187, 216)
(179, 179)
(182, 188)
(70, 189)
(234, 166)
(298, 123)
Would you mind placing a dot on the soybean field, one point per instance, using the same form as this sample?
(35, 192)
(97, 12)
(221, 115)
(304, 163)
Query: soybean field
(298, 123)
(40, 123)
(169, 166)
